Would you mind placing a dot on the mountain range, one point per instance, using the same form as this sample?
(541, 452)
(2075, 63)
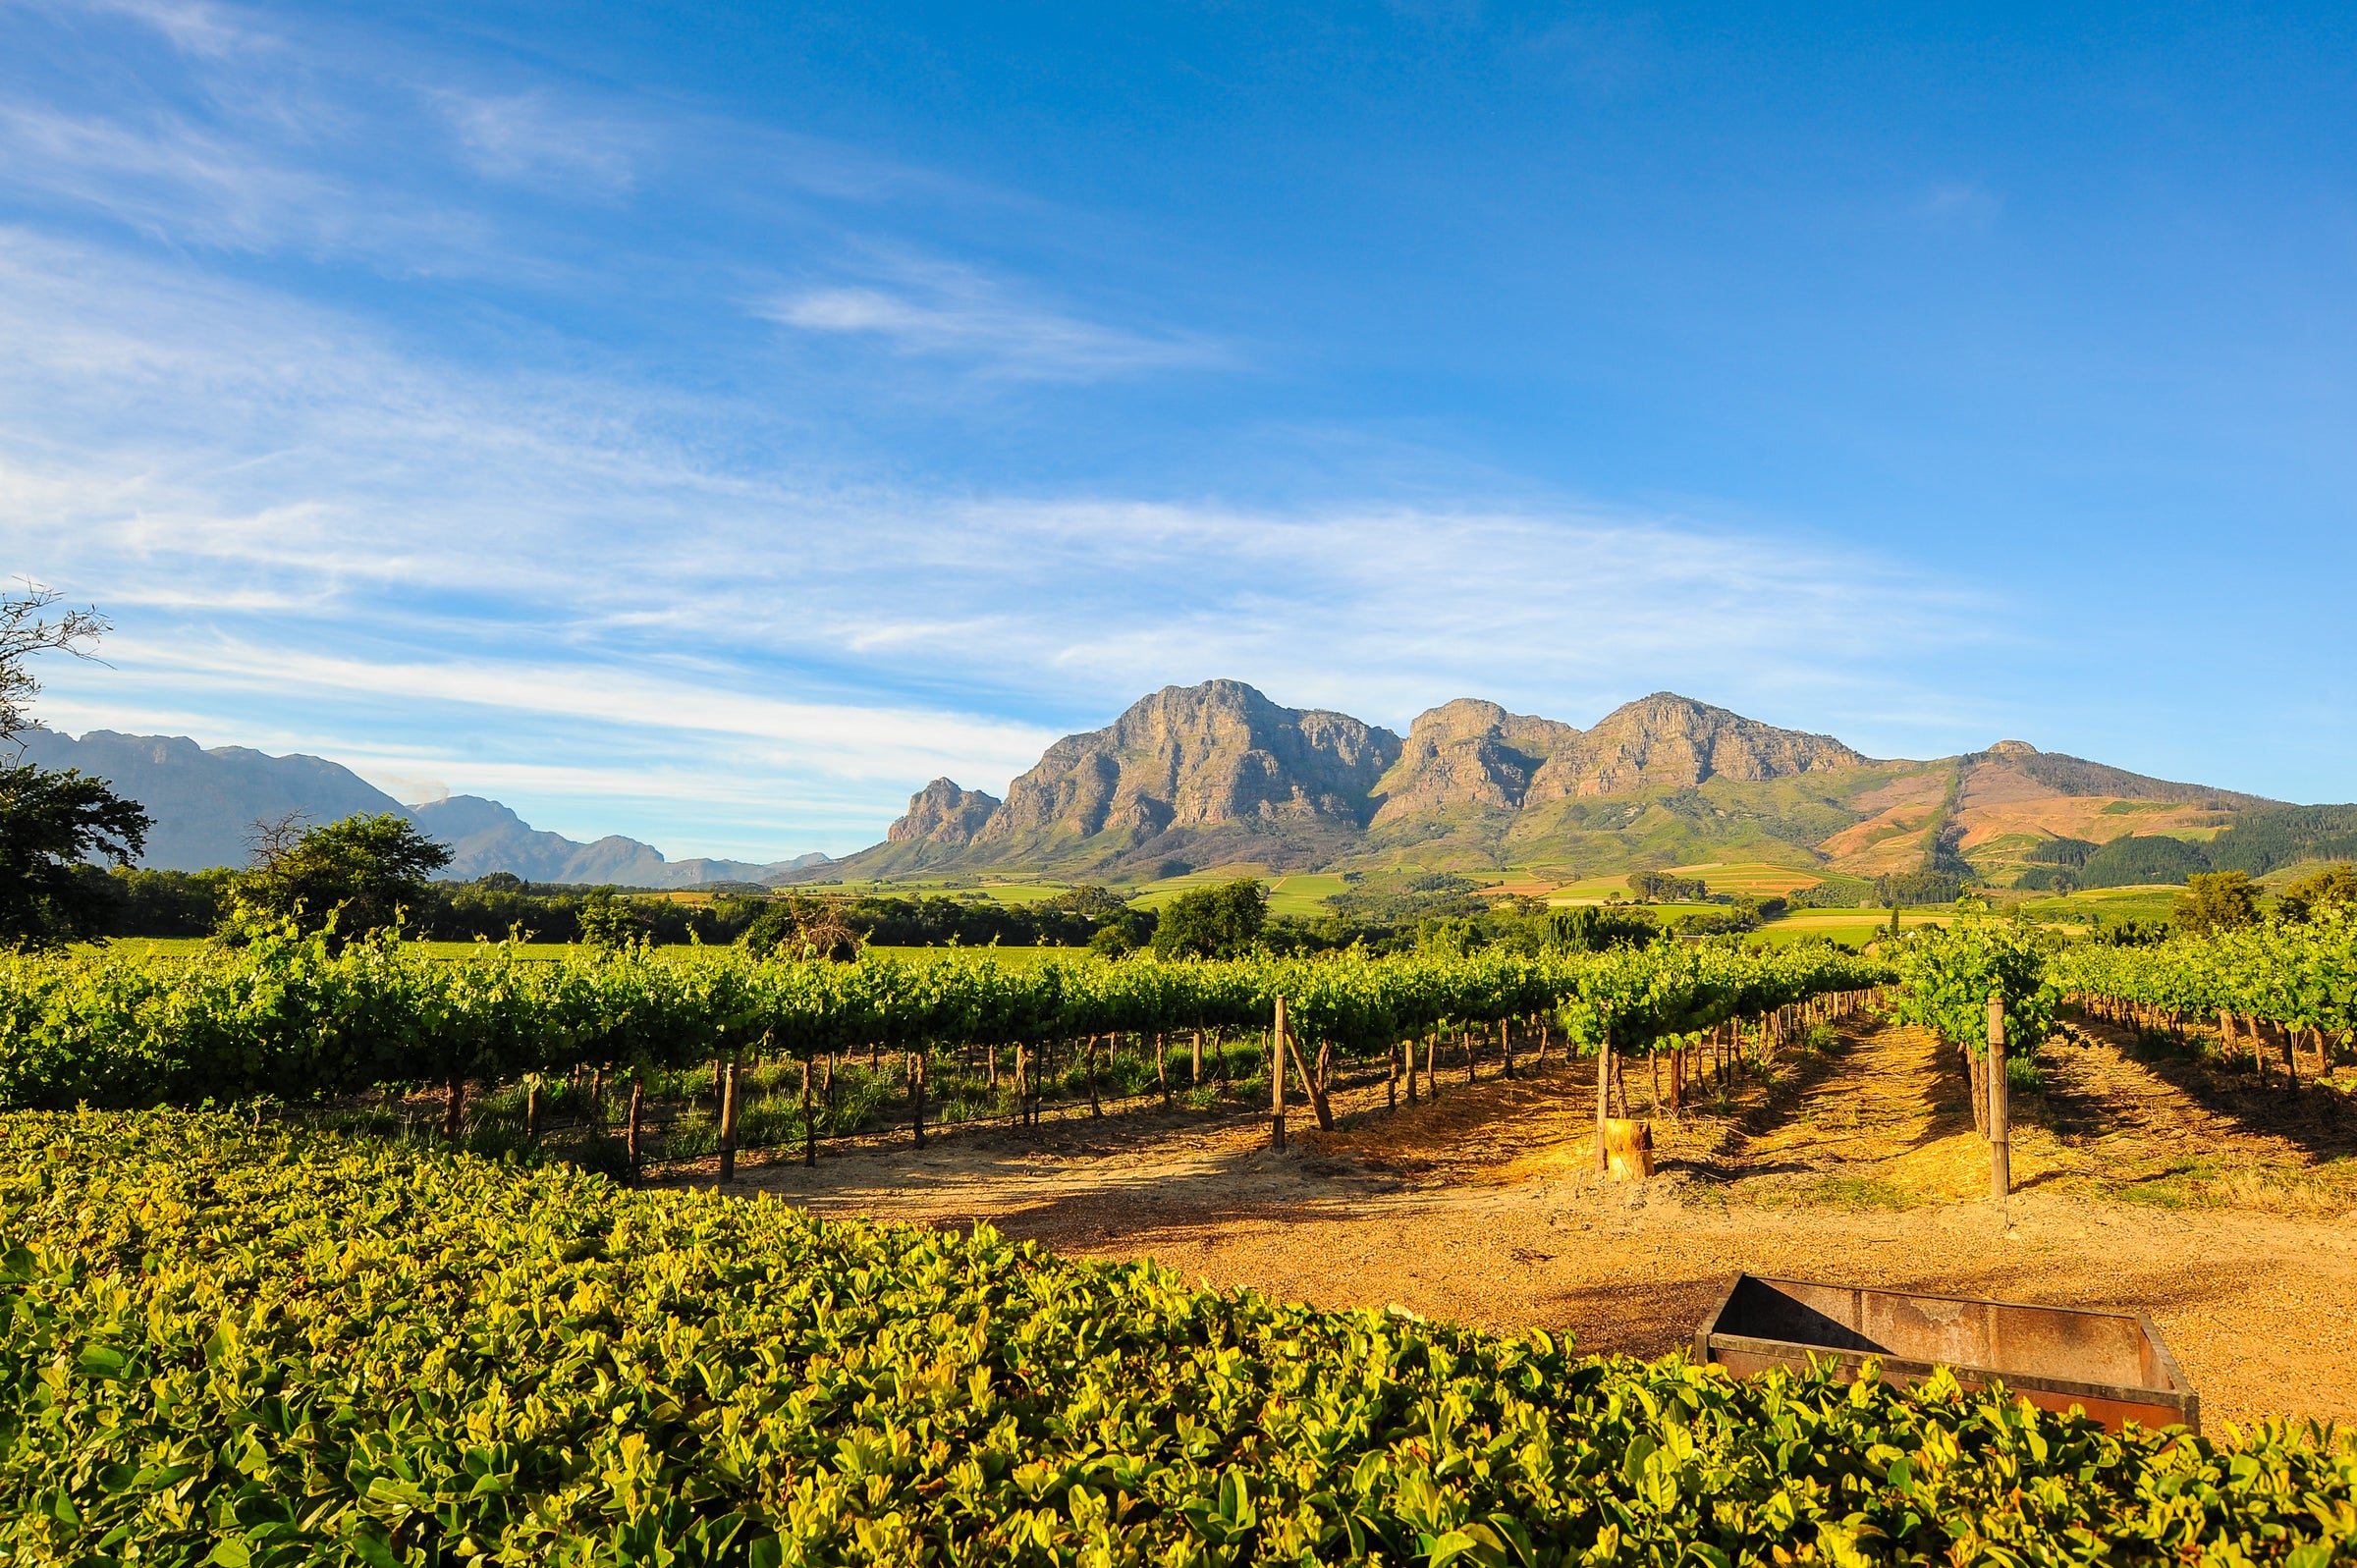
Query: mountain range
(205, 802)
(1193, 778)
(1217, 775)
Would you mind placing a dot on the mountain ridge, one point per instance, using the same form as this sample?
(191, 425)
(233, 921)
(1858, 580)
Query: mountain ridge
(205, 801)
(1192, 776)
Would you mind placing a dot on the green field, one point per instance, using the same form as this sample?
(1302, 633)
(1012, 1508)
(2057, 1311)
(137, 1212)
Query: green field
(1852, 928)
(2109, 904)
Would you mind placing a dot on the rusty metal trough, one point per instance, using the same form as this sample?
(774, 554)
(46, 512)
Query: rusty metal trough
(2112, 1365)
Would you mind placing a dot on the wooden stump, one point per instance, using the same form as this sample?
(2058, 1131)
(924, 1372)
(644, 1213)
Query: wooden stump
(1627, 1149)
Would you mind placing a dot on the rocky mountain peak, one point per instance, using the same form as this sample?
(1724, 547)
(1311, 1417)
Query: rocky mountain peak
(941, 813)
(1468, 753)
(1670, 739)
(1196, 757)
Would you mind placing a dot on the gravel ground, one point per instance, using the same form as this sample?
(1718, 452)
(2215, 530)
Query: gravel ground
(1860, 1165)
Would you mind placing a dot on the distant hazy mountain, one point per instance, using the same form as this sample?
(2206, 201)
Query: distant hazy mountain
(1197, 777)
(206, 800)
(486, 837)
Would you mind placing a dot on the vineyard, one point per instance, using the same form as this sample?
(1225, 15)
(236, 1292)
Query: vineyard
(2281, 990)
(262, 1348)
(797, 1049)
(233, 1337)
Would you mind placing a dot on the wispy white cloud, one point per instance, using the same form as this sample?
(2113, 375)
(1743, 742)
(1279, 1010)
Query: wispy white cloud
(529, 138)
(631, 603)
(504, 582)
(953, 312)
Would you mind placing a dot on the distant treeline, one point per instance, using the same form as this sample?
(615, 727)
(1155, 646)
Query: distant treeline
(2255, 842)
(191, 903)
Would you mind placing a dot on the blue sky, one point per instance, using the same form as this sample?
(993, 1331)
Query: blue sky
(710, 423)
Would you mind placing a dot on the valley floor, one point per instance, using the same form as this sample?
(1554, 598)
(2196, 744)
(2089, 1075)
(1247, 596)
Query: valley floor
(2222, 1208)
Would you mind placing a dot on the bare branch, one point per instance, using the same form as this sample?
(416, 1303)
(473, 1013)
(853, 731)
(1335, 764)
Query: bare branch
(25, 631)
(270, 839)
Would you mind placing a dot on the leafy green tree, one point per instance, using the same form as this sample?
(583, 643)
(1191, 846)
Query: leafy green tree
(168, 904)
(1660, 886)
(1124, 932)
(1914, 890)
(610, 922)
(2318, 892)
(360, 873)
(52, 825)
(1221, 922)
(1589, 928)
(2216, 900)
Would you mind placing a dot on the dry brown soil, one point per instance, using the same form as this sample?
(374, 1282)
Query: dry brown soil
(2223, 1210)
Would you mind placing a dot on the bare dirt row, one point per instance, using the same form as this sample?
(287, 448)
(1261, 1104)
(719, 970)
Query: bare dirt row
(2222, 1208)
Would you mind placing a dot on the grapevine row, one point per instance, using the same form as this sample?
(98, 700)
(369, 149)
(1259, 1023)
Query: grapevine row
(2292, 979)
(288, 1018)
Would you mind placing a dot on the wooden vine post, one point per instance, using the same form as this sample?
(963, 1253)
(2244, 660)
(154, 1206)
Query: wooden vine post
(810, 1122)
(2000, 1149)
(637, 1118)
(1277, 1079)
(917, 1095)
(454, 1106)
(1603, 1098)
(532, 1110)
(729, 1078)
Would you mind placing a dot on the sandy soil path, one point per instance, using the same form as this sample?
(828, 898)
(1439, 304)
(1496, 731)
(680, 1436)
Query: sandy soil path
(1860, 1167)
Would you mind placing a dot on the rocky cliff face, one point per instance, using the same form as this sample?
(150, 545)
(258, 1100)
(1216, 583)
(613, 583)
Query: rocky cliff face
(941, 813)
(1190, 757)
(1670, 739)
(1468, 753)
(1218, 775)
(1190, 760)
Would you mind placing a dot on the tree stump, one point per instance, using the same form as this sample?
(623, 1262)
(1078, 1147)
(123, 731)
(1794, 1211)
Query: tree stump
(1627, 1149)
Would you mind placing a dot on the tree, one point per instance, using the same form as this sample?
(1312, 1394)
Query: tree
(794, 927)
(52, 825)
(361, 871)
(1660, 886)
(1221, 922)
(608, 921)
(2318, 891)
(2216, 900)
(1124, 931)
